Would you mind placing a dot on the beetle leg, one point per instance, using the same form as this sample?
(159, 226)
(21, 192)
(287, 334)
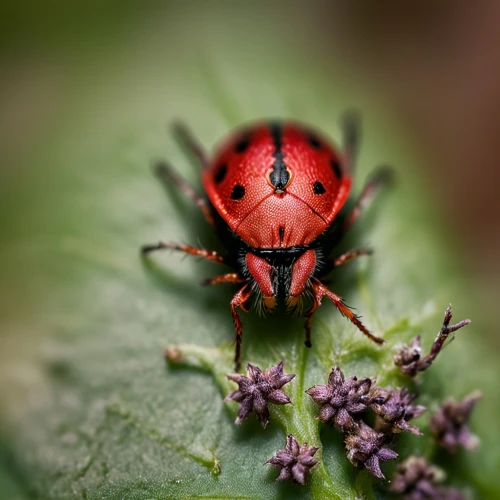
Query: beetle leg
(223, 278)
(189, 142)
(168, 175)
(352, 254)
(199, 252)
(382, 176)
(351, 128)
(239, 299)
(309, 317)
(321, 291)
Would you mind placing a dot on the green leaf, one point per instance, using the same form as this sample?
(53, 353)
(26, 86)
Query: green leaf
(89, 408)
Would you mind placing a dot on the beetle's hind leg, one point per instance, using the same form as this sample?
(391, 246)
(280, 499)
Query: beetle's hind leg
(351, 130)
(309, 316)
(189, 142)
(321, 291)
(169, 176)
(381, 177)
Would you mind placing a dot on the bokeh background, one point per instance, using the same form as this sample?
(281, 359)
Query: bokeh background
(74, 78)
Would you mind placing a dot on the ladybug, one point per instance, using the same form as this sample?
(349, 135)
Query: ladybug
(273, 191)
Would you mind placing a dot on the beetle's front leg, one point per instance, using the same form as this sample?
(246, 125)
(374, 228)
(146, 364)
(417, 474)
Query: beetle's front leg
(321, 291)
(309, 316)
(239, 300)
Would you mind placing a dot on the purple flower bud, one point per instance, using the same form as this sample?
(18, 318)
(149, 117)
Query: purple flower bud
(295, 461)
(340, 399)
(394, 408)
(415, 479)
(449, 426)
(257, 390)
(367, 448)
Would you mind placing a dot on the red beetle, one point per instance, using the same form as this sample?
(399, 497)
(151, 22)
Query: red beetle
(274, 190)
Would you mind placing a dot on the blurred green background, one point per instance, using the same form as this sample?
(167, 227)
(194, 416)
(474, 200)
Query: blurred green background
(87, 92)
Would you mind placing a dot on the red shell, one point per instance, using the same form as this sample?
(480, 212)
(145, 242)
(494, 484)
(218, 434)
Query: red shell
(263, 216)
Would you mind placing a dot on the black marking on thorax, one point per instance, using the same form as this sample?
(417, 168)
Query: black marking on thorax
(280, 176)
(238, 192)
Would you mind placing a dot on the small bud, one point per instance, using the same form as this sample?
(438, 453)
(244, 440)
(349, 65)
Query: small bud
(257, 390)
(341, 399)
(172, 354)
(415, 479)
(394, 408)
(367, 447)
(449, 426)
(409, 357)
(295, 461)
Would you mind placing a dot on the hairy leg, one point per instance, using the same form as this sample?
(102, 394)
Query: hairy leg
(350, 255)
(321, 291)
(223, 278)
(198, 252)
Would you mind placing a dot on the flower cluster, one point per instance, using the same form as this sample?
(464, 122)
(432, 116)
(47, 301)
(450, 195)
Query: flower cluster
(369, 416)
(255, 391)
(344, 402)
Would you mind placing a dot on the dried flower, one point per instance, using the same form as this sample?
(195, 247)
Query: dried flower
(409, 359)
(449, 424)
(367, 447)
(415, 479)
(257, 390)
(394, 408)
(341, 399)
(295, 461)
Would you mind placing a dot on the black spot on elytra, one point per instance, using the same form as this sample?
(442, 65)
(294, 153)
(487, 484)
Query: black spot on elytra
(314, 142)
(318, 188)
(336, 168)
(282, 233)
(220, 175)
(242, 145)
(238, 192)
